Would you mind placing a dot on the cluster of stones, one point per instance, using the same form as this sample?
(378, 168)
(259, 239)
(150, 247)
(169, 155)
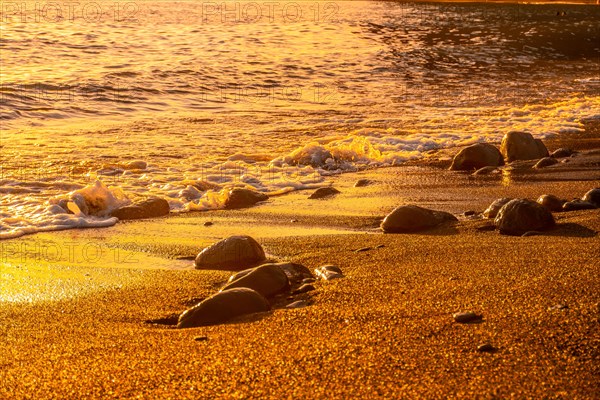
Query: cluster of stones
(255, 285)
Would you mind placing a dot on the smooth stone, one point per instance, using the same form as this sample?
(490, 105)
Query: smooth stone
(298, 304)
(295, 272)
(551, 202)
(521, 215)
(558, 307)
(328, 272)
(222, 307)
(522, 146)
(485, 171)
(324, 192)
(363, 249)
(150, 208)
(242, 198)
(201, 338)
(477, 156)
(380, 246)
(308, 280)
(545, 162)
(486, 348)
(561, 153)
(492, 210)
(411, 218)
(575, 205)
(469, 213)
(362, 182)
(466, 317)
(208, 223)
(233, 254)
(304, 288)
(592, 196)
(268, 280)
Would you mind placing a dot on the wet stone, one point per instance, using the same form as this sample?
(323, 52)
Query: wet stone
(328, 272)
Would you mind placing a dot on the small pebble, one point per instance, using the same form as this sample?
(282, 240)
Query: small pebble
(469, 213)
(465, 317)
(558, 307)
(208, 223)
(201, 338)
(363, 249)
(297, 304)
(379, 246)
(486, 348)
(293, 220)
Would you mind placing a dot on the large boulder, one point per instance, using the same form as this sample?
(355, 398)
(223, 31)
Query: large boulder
(150, 208)
(477, 156)
(242, 198)
(268, 280)
(522, 146)
(521, 215)
(496, 205)
(592, 196)
(223, 307)
(413, 218)
(233, 254)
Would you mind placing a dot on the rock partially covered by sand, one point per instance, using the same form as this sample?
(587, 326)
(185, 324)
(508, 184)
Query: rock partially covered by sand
(268, 280)
(551, 202)
(328, 272)
(545, 162)
(242, 198)
(223, 307)
(477, 156)
(233, 254)
(412, 218)
(576, 205)
(323, 192)
(496, 205)
(150, 208)
(593, 196)
(522, 146)
(521, 215)
(296, 273)
(362, 182)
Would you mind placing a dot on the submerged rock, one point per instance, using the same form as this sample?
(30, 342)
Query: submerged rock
(223, 307)
(242, 198)
(521, 215)
(233, 254)
(151, 208)
(268, 280)
(592, 196)
(477, 156)
(522, 146)
(575, 205)
(552, 203)
(323, 192)
(412, 218)
(545, 162)
(561, 153)
(496, 205)
(362, 182)
(328, 272)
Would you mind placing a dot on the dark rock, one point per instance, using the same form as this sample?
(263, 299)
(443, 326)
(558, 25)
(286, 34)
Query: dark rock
(486, 348)
(201, 338)
(558, 307)
(496, 205)
(223, 307)
(469, 213)
(304, 288)
(380, 246)
(324, 192)
(466, 317)
(268, 280)
(575, 205)
(562, 152)
(295, 273)
(522, 146)
(545, 162)
(362, 182)
(242, 198)
(133, 165)
(363, 249)
(328, 272)
(208, 223)
(592, 196)
(233, 254)
(477, 156)
(412, 218)
(298, 304)
(521, 215)
(150, 208)
(485, 171)
(552, 203)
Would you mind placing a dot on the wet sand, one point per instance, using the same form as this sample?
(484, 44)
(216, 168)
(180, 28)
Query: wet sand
(73, 317)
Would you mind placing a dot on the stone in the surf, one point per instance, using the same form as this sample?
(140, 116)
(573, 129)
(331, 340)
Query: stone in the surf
(592, 196)
(324, 192)
(551, 202)
(268, 280)
(233, 254)
(328, 272)
(242, 198)
(223, 307)
(545, 162)
(150, 208)
(477, 156)
(296, 273)
(466, 317)
(496, 205)
(521, 215)
(576, 205)
(362, 182)
(561, 153)
(522, 146)
(411, 218)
